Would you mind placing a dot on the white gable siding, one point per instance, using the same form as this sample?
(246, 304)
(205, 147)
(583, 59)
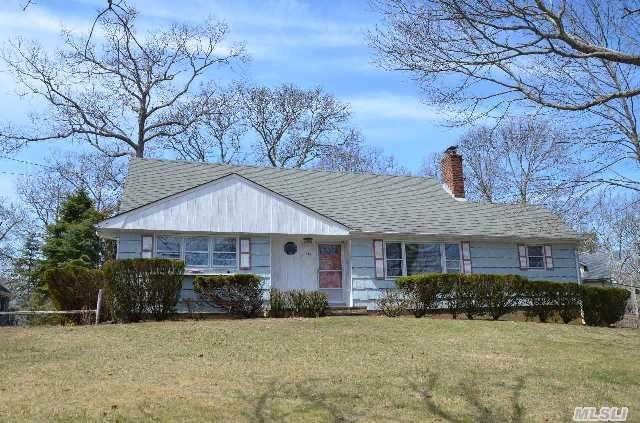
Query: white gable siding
(231, 204)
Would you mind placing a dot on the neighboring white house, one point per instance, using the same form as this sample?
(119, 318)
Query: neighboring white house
(347, 234)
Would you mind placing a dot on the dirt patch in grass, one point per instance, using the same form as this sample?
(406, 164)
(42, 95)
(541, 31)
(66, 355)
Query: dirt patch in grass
(328, 369)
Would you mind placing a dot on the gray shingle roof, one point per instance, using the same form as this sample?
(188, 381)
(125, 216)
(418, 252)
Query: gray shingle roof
(596, 267)
(363, 202)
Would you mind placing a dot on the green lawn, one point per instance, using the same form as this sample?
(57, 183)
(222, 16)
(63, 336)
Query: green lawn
(328, 369)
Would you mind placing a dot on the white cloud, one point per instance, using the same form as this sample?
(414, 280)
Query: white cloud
(393, 106)
(25, 23)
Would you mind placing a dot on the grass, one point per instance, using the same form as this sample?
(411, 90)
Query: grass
(328, 369)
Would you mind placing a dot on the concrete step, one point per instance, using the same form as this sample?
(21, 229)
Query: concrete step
(347, 311)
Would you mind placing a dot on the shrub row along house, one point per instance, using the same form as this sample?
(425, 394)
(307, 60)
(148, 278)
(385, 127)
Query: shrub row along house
(349, 235)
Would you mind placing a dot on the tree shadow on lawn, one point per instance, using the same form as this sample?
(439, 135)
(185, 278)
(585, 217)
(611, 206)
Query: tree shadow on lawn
(303, 401)
(295, 402)
(482, 411)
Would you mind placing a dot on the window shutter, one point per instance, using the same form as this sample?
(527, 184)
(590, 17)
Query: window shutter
(548, 257)
(466, 256)
(245, 253)
(378, 257)
(522, 253)
(147, 246)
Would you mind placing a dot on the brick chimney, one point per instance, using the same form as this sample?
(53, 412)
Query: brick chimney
(451, 168)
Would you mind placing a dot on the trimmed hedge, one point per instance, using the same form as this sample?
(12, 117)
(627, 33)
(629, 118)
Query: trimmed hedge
(73, 287)
(298, 303)
(137, 287)
(239, 294)
(604, 306)
(496, 295)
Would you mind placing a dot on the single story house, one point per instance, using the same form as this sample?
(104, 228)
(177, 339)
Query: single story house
(5, 297)
(347, 234)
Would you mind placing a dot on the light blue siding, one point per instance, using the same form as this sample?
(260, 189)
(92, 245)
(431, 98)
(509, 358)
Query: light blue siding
(502, 258)
(260, 265)
(130, 245)
(366, 289)
(486, 257)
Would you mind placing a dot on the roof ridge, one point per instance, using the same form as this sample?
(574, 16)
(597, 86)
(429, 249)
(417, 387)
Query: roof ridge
(284, 169)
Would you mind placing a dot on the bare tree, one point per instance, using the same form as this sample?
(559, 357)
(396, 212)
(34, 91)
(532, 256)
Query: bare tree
(483, 171)
(295, 126)
(355, 156)
(431, 165)
(486, 58)
(100, 176)
(523, 160)
(615, 221)
(218, 136)
(124, 93)
(11, 220)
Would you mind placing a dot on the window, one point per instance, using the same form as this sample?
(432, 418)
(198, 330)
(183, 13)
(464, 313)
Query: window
(452, 256)
(393, 258)
(535, 257)
(423, 258)
(168, 247)
(224, 252)
(196, 251)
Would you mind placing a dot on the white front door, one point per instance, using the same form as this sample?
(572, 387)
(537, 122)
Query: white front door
(294, 264)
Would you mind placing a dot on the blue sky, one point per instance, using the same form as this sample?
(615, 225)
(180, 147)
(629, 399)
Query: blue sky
(308, 43)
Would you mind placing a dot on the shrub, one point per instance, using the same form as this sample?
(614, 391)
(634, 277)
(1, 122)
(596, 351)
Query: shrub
(280, 305)
(73, 287)
(542, 297)
(568, 301)
(471, 296)
(298, 303)
(603, 306)
(316, 304)
(392, 303)
(136, 287)
(496, 295)
(239, 294)
(421, 291)
(451, 292)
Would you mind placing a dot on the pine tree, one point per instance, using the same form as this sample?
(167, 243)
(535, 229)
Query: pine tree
(25, 275)
(73, 236)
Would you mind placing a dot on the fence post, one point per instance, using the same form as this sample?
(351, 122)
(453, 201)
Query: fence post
(98, 306)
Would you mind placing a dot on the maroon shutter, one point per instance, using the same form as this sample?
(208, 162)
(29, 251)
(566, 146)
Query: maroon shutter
(466, 256)
(147, 246)
(245, 253)
(522, 255)
(378, 258)
(548, 257)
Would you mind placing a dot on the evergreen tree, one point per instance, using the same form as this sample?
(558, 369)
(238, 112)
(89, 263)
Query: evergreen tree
(73, 236)
(25, 275)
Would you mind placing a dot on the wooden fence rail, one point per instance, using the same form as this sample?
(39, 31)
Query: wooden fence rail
(96, 312)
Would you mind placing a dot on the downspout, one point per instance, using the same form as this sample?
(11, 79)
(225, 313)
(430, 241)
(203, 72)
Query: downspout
(579, 279)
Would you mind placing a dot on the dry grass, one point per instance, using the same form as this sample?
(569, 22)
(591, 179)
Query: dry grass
(329, 369)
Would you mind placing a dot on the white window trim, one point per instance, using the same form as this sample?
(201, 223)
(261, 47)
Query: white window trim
(535, 269)
(443, 258)
(212, 252)
(403, 259)
(155, 245)
(214, 270)
(184, 251)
